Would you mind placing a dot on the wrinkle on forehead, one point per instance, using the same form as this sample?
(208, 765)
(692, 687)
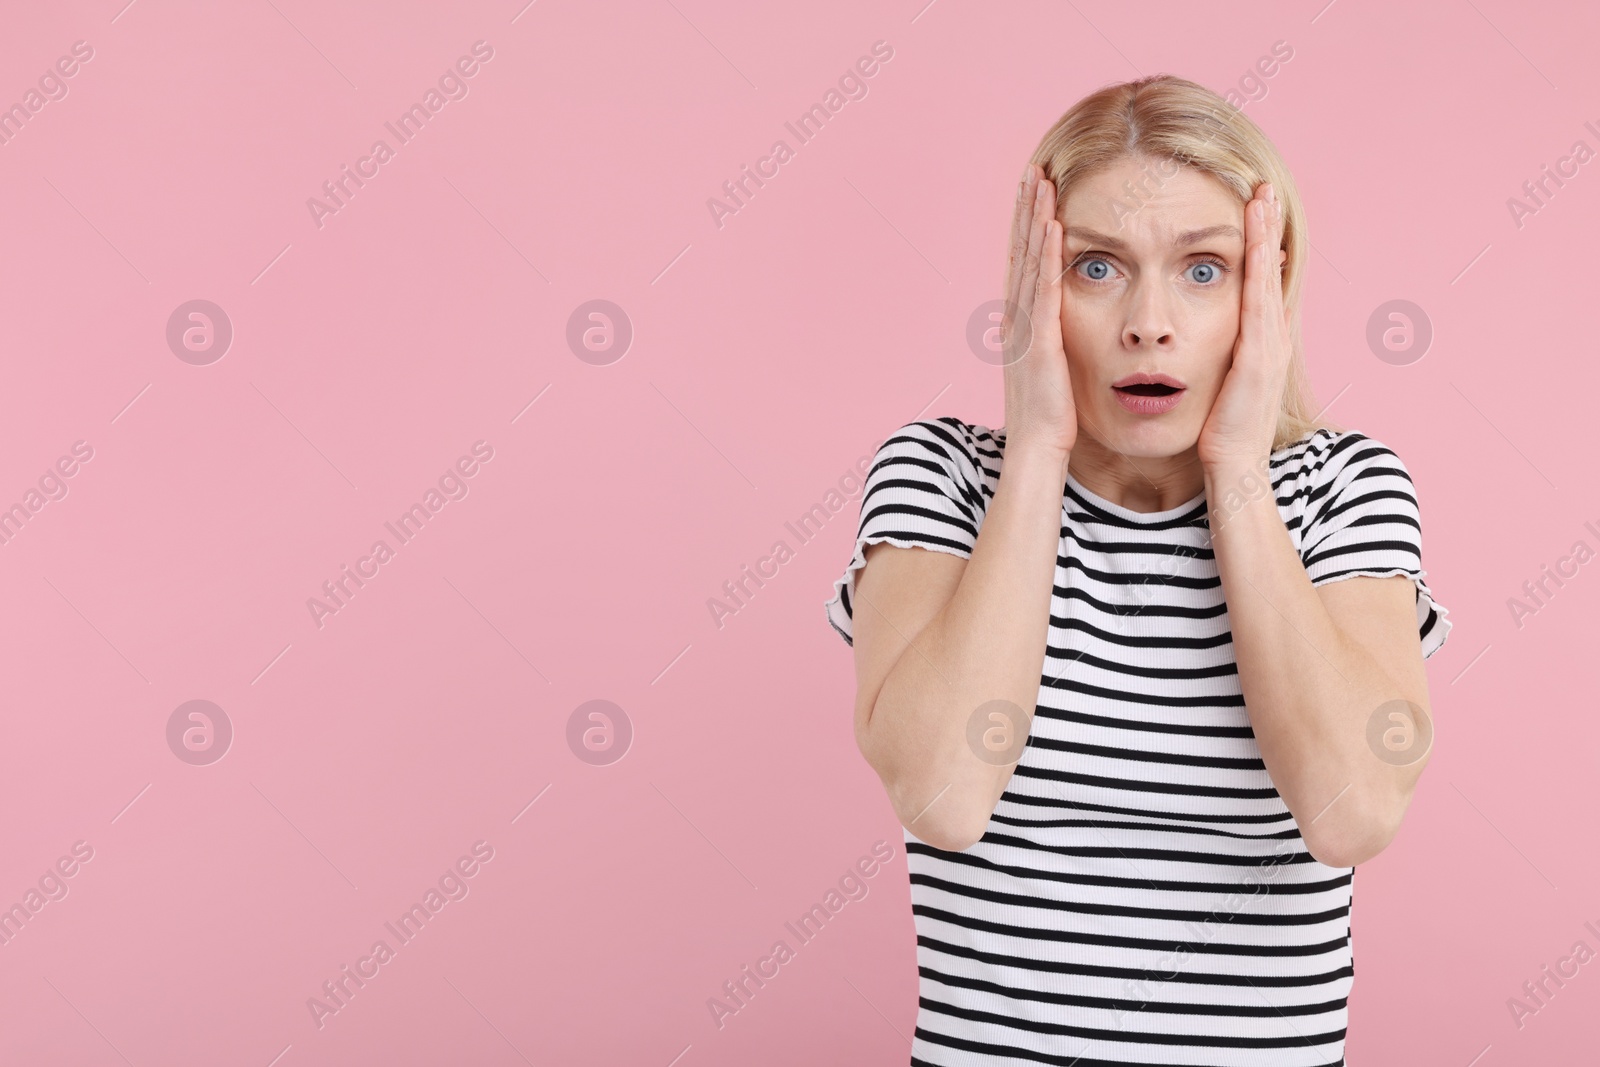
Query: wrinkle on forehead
(1174, 213)
(1179, 240)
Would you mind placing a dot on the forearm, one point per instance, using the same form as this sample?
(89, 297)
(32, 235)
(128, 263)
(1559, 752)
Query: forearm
(1309, 690)
(986, 644)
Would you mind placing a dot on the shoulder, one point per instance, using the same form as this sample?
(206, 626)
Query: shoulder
(966, 451)
(1325, 461)
(945, 457)
(1324, 451)
(1336, 489)
(946, 434)
(928, 487)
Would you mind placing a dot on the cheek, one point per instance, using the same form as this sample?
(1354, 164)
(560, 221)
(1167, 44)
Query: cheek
(1213, 316)
(1213, 332)
(1086, 327)
(1086, 338)
(1225, 319)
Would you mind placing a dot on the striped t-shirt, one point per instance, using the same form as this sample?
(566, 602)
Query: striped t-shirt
(1141, 894)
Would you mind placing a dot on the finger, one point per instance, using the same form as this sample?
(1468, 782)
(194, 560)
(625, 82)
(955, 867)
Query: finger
(1272, 320)
(1049, 209)
(1277, 259)
(1275, 216)
(1266, 262)
(1048, 300)
(1021, 222)
(1047, 296)
(1254, 300)
(1016, 228)
(1030, 261)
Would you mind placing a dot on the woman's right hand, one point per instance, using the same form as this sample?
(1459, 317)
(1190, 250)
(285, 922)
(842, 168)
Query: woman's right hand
(1039, 405)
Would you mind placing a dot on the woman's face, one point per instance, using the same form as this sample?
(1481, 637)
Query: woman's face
(1154, 259)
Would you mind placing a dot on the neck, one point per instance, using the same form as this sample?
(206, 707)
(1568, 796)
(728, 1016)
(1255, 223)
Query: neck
(1138, 483)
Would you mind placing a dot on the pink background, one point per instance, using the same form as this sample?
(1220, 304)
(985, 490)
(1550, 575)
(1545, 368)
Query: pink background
(767, 357)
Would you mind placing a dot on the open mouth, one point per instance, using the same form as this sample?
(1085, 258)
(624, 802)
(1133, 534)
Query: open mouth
(1157, 394)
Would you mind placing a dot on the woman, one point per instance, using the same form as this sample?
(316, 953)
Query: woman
(1143, 700)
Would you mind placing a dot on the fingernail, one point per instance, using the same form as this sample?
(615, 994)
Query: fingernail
(1027, 172)
(1272, 194)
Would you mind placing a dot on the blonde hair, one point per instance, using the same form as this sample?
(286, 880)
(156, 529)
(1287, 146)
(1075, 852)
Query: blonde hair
(1167, 120)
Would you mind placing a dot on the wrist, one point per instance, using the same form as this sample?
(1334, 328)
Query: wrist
(1228, 472)
(1036, 452)
(1038, 464)
(1232, 488)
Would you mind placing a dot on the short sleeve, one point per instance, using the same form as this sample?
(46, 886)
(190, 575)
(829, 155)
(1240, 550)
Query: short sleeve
(1364, 520)
(922, 491)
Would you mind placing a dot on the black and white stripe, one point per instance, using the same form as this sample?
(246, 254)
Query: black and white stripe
(1141, 894)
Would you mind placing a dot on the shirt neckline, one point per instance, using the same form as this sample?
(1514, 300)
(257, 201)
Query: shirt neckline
(1142, 518)
(1099, 503)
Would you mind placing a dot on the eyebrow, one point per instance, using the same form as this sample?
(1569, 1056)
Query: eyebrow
(1188, 237)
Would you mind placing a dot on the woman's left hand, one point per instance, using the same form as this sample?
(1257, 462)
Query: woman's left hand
(1244, 417)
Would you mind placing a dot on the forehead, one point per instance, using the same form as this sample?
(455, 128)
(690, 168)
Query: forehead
(1131, 201)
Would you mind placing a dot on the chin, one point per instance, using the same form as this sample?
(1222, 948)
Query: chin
(1149, 437)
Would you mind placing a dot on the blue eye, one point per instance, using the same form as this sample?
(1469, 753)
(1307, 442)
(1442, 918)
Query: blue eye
(1098, 270)
(1214, 270)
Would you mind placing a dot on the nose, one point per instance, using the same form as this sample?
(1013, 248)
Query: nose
(1151, 338)
(1149, 323)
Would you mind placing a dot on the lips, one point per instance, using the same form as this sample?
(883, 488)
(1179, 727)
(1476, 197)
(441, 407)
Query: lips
(1144, 384)
(1149, 394)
